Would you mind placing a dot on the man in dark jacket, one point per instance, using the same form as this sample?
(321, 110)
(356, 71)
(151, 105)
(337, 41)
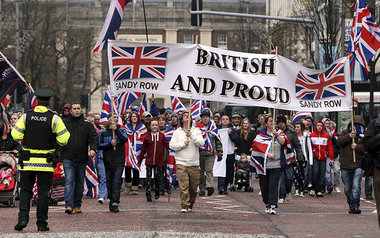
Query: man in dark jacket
(286, 180)
(75, 156)
(372, 144)
(350, 169)
(112, 142)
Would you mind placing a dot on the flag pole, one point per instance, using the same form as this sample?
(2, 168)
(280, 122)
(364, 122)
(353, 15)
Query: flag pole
(112, 119)
(352, 126)
(274, 127)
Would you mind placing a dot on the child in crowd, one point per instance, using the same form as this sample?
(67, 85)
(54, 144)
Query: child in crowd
(58, 171)
(6, 176)
(242, 169)
(153, 147)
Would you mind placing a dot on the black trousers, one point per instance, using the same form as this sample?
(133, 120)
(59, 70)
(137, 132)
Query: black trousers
(128, 176)
(157, 170)
(27, 180)
(230, 161)
(114, 180)
(269, 186)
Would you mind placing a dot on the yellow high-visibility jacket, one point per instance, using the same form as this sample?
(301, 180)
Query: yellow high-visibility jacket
(62, 137)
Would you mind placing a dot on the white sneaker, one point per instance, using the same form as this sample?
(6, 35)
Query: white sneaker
(273, 210)
(296, 193)
(189, 210)
(281, 200)
(101, 200)
(267, 210)
(337, 189)
(301, 195)
(259, 193)
(312, 193)
(183, 210)
(288, 196)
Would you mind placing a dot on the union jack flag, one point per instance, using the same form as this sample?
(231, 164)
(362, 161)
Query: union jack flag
(112, 24)
(143, 105)
(136, 137)
(125, 99)
(211, 130)
(299, 115)
(196, 108)
(130, 156)
(5, 119)
(365, 35)
(91, 179)
(329, 82)
(32, 100)
(261, 146)
(170, 167)
(138, 62)
(272, 48)
(357, 70)
(177, 105)
(106, 109)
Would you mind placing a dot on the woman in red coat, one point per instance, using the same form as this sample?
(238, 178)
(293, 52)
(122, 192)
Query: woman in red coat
(153, 148)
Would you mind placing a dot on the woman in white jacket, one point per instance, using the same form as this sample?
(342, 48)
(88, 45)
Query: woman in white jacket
(186, 141)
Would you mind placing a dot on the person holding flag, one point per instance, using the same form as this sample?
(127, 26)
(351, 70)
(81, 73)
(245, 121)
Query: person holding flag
(212, 147)
(136, 132)
(185, 142)
(270, 154)
(112, 141)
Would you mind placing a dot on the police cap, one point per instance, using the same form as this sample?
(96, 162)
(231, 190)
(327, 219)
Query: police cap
(43, 94)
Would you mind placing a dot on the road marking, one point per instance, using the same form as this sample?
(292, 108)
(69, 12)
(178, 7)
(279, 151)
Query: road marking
(225, 205)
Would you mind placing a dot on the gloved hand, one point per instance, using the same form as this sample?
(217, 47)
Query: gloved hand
(220, 157)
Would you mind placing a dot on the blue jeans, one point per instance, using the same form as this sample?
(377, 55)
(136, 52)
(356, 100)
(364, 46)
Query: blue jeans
(114, 181)
(335, 167)
(319, 171)
(352, 181)
(286, 181)
(74, 182)
(99, 164)
(368, 186)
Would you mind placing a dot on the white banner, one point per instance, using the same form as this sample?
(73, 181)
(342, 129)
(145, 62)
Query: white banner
(207, 73)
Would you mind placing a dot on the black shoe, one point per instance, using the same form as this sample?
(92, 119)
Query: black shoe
(20, 226)
(202, 193)
(210, 191)
(330, 189)
(148, 197)
(239, 187)
(368, 198)
(114, 209)
(157, 195)
(43, 228)
(221, 192)
(355, 210)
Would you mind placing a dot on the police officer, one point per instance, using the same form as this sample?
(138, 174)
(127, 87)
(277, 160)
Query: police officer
(40, 131)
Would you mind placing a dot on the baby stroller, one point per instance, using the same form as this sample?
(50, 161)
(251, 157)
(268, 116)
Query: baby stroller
(57, 190)
(8, 193)
(242, 175)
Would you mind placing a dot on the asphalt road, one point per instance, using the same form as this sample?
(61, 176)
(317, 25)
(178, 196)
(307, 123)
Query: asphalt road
(238, 214)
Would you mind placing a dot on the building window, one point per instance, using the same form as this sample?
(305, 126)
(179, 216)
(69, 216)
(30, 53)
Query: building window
(188, 39)
(222, 41)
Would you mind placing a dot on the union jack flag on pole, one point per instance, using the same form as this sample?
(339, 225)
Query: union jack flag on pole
(138, 62)
(272, 48)
(125, 99)
(365, 35)
(106, 109)
(326, 83)
(112, 24)
(196, 108)
(32, 100)
(143, 105)
(177, 105)
(91, 179)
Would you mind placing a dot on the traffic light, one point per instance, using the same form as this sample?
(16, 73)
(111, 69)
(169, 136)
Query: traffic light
(196, 19)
